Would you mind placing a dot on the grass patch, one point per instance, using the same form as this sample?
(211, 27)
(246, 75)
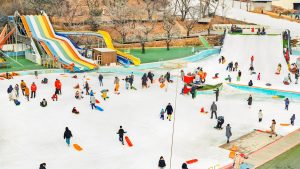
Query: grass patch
(162, 54)
(287, 160)
(27, 65)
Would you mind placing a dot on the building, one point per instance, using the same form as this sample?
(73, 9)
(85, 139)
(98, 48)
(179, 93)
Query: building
(265, 5)
(105, 56)
(288, 4)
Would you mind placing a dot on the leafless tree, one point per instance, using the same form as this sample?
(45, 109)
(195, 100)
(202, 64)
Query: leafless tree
(94, 13)
(184, 7)
(122, 18)
(190, 22)
(142, 31)
(169, 22)
(150, 7)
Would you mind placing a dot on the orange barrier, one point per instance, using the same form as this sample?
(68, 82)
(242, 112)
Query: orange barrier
(128, 141)
(192, 161)
(77, 147)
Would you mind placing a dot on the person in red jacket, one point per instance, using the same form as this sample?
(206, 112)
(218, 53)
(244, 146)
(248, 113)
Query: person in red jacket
(57, 86)
(252, 59)
(33, 90)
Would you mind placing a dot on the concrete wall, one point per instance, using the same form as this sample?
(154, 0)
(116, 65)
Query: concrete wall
(287, 4)
(258, 5)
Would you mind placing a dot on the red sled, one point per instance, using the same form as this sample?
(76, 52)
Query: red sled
(263, 131)
(192, 161)
(97, 101)
(277, 73)
(128, 141)
(215, 77)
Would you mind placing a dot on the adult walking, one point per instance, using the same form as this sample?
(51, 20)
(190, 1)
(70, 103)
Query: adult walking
(293, 118)
(150, 76)
(273, 128)
(68, 135)
(121, 133)
(100, 79)
(169, 110)
(33, 90)
(217, 91)
(213, 109)
(93, 101)
(161, 163)
(249, 100)
(287, 103)
(228, 132)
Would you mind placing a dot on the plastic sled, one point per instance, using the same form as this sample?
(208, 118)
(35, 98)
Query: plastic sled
(129, 143)
(97, 101)
(284, 124)
(192, 161)
(77, 147)
(263, 131)
(277, 73)
(99, 108)
(215, 77)
(1, 78)
(162, 85)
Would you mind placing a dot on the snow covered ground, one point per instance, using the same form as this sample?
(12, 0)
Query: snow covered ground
(31, 134)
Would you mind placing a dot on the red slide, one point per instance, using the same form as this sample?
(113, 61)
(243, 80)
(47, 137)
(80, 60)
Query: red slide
(128, 141)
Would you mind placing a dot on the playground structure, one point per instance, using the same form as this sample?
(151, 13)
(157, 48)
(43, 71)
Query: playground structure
(56, 50)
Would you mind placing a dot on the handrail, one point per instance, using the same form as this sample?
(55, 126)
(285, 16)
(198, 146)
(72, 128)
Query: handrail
(10, 58)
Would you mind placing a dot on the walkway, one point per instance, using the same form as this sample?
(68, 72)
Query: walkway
(274, 149)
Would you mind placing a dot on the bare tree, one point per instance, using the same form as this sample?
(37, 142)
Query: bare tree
(94, 13)
(142, 31)
(122, 18)
(169, 22)
(184, 7)
(190, 22)
(150, 8)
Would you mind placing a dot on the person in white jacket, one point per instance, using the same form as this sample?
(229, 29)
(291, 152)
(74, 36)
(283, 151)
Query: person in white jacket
(93, 101)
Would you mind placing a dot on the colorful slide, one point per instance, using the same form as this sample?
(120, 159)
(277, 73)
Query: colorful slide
(4, 37)
(40, 28)
(109, 44)
(204, 42)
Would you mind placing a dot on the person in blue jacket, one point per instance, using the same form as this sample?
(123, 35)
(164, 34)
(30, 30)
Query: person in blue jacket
(287, 102)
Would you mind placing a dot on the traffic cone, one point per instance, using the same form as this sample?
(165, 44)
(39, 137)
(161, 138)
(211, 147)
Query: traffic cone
(202, 110)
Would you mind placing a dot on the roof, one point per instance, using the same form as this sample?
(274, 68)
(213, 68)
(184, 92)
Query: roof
(104, 49)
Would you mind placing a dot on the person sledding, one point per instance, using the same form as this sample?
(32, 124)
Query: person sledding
(250, 83)
(121, 133)
(45, 81)
(43, 103)
(251, 69)
(220, 122)
(75, 111)
(286, 80)
(104, 94)
(78, 94)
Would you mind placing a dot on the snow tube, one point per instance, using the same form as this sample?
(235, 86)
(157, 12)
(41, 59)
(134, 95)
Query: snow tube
(77, 147)
(284, 124)
(128, 141)
(192, 161)
(99, 108)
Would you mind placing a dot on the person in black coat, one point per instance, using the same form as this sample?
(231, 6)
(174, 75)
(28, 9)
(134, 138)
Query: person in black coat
(43, 166)
(100, 79)
(169, 110)
(217, 91)
(250, 101)
(250, 83)
(68, 135)
(121, 133)
(168, 76)
(130, 80)
(150, 76)
(43, 103)
(161, 163)
(144, 80)
(184, 166)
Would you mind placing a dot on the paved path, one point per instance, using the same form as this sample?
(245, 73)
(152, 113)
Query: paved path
(274, 149)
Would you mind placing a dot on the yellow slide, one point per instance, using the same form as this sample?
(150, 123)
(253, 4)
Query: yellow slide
(109, 44)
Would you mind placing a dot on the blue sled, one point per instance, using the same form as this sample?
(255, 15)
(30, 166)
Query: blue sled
(99, 108)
